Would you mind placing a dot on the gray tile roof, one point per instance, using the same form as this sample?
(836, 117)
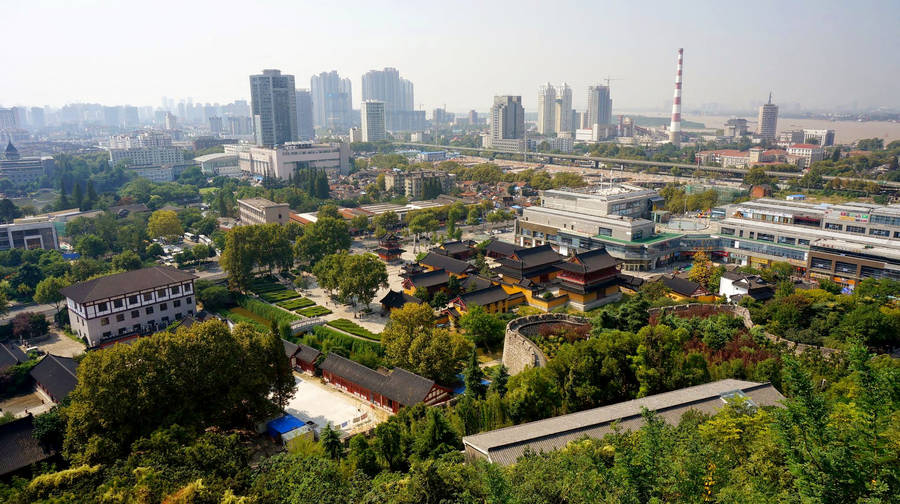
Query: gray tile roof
(399, 385)
(504, 446)
(57, 375)
(123, 283)
(429, 278)
(10, 355)
(447, 263)
(485, 296)
(18, 447)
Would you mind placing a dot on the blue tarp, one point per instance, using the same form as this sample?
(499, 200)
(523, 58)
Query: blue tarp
(461, 389)
(284, 424)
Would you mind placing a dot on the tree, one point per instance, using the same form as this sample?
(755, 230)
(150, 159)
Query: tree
(154, 250)
(327, 235)
(197, 377)
(28, 325)
(424, 222)
(361, 277)
(127, 261)
(77, 196)
(214, 297)
(360, 223)
(533, 394)
(331, 442)
(47, 291)
(483, 328)
(8, 211)
(201, 251)
(164, 224)
(473, 376)
(499, 380)
(436, 437)
(388, 220)
(757, 176)
(362, 457)
(411, 342)
(701, 269)
(90, 246)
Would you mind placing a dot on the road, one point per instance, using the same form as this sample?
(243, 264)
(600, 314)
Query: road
(46, 309)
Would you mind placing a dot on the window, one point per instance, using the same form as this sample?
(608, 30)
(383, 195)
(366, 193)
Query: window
(149, 310)
(175, 290)
(104, 321)
(135, 313)
(856, 229)
(786, 240)
(107, 334)
(188, 300)
(896, 234)
(177, 316)
(101, 307)
(136, 328)
(879, 232)
(161, 293)
(833, 226)
(765, 237)
(727, 231)
(132, 299)
(176, 303)
(148, 296)
(163, 307)
(801, 241)
(120, 317)
(604, 231)
(637, 235)
(118, 303)
(843, 267)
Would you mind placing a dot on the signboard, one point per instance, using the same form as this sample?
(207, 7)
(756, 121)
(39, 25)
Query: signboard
(849, 216)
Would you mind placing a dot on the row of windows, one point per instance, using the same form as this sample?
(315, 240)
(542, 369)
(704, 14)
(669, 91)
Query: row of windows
(150, 324)
(885, 219)
(147, 296)
(148, 310)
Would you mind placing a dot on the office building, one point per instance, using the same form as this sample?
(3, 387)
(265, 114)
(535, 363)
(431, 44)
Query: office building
(791, 137)
(473, 118)
(821, 137)
(305, 129)
(273, 105)
(735, 128)
(219, 165)
(124, 305)
(546, 110)
(599, 106)
(283, 161)
(507, 130)
(21, 171)
(171, 122)
(394, 91)
(262, 211)
(505, 446)
(332, 99)
(767, 121)
(373, 127)
(216, 125)
(36, 118)
(147, 156)
(29, 233)
(439, 116)
(356, 135)
(806, 154)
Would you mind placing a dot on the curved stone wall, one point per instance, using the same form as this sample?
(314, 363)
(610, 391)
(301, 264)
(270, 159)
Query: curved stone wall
(519, 352)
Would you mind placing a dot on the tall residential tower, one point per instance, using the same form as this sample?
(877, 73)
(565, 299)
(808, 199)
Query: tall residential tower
(273, 104)
(332, 99)
(599, 109)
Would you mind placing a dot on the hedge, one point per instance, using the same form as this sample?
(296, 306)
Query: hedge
(296, 303)
(354, 329)
(266, 310)
(314, 311)
(280, 295)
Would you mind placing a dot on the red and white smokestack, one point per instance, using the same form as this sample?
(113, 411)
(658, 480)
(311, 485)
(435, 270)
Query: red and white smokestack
(675, 126)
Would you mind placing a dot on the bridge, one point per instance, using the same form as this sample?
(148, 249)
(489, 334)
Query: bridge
(596, 161)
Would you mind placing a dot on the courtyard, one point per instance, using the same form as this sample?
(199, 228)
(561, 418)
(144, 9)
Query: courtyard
(317, 402)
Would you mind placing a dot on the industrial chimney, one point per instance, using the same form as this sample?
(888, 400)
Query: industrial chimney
(675, 127)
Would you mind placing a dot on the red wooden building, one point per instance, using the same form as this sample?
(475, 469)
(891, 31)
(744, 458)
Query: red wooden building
(391, 390)
(302, 357)
(589, 278)
(389, 248)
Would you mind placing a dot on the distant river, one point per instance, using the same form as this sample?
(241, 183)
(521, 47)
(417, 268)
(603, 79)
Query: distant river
(845, 132)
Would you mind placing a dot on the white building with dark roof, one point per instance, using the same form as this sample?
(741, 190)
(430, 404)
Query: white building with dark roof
(108, 309)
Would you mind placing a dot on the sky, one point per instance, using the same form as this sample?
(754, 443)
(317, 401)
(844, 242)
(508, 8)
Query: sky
(818, 55)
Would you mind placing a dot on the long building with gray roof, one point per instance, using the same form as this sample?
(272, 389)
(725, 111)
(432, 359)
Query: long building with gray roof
(505, 446)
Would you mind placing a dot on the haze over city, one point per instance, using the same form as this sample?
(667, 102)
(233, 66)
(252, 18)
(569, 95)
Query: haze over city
(459, 54)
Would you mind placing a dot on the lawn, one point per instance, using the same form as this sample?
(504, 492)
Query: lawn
(354, 329)
(279, 295)
(238, 315)
(296, 303)
(314, 311)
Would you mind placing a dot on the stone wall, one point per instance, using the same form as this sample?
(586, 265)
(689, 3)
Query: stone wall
(519, 352)
(707, 310)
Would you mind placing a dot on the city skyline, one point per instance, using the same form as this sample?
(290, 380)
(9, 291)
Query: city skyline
(441, 64)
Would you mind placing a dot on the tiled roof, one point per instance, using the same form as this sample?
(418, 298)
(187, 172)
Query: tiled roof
(506, 445)
(307, 353)
(805, 146)
(455, 247)
(290, 348)
(399, 385)
(680, 285)
(429, 278)
(18, 447)
(124, 283)
(483, 297)
(439, 261)
(502, 248)
(10, 355)
(57, 375)
(394, 299)
(592, 260)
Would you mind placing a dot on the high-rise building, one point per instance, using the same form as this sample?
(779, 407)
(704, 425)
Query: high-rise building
(171, 121)
(768, 120)
(216, 125)
(546, 109)
(273, 105)
(396, 92)
(332, 99)
(821, 137)
(473, 118)
(37, 117)
(507, 124)
(305, 129)
(599, 106)
(563, 109)
(8, 119)
(373, 129)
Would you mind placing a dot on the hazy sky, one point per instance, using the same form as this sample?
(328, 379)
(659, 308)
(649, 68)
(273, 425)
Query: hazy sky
(817, 54)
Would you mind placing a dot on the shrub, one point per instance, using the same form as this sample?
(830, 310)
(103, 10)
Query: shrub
(266, 310)
(279, 295)
(314, 311)
(354, 329)
(296, 303)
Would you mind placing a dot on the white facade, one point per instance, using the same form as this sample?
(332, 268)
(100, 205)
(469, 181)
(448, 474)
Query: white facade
(283, 160)
(222, 164)
(158, 174)
(546, 110)
(373, 127)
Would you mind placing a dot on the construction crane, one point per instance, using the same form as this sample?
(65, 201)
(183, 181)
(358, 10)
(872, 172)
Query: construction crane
(608, 78)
